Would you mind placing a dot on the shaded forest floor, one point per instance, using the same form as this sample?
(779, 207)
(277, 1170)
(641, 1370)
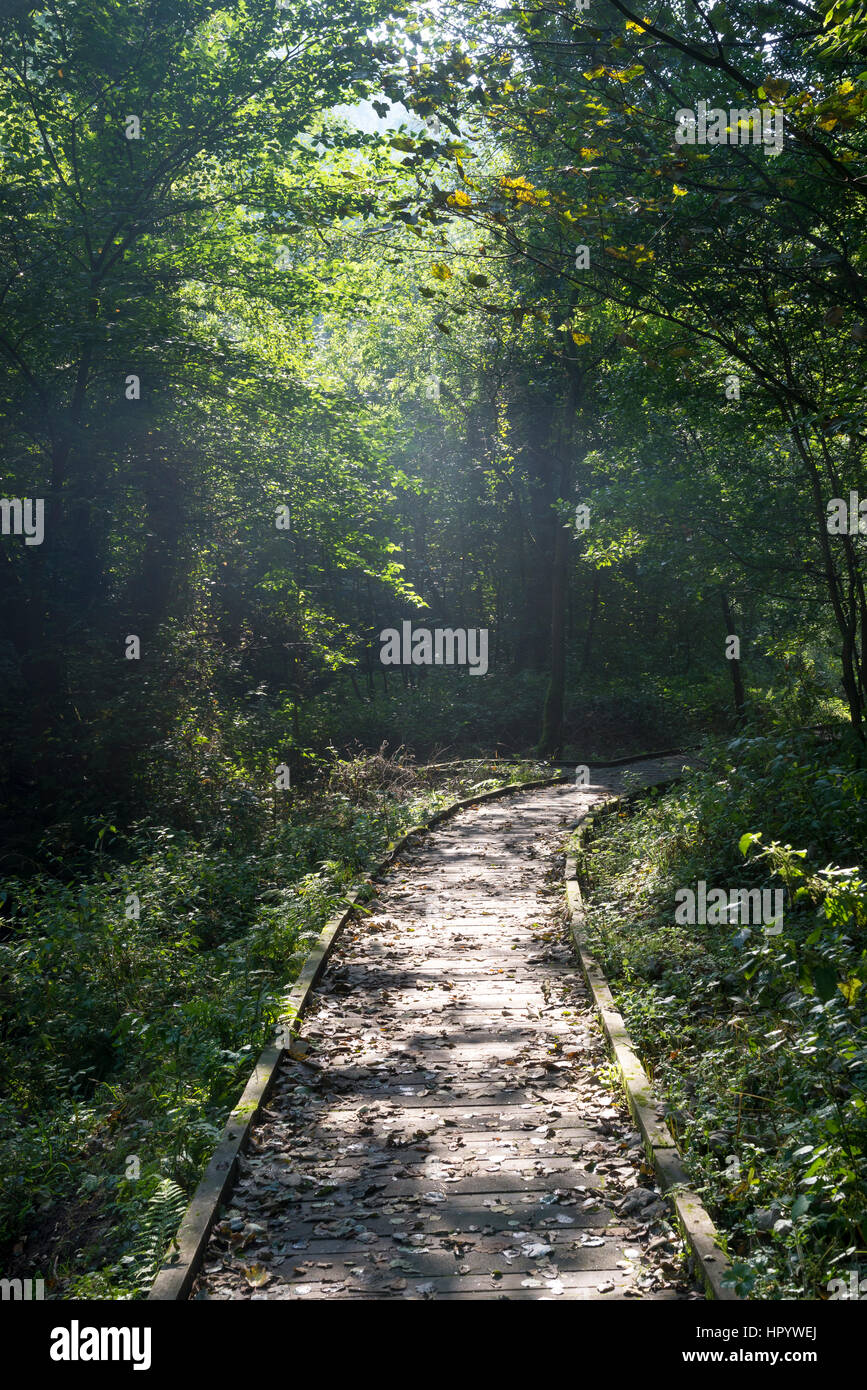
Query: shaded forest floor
(128, 1038)
(446, 1125)
(140, 982)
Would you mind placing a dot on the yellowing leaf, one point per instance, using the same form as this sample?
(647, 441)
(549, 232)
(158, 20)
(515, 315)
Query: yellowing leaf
(524, 191)
(627, 74)
(440, 271)
(579, 337)
(776, 90)
(678, 191)
(459, 200)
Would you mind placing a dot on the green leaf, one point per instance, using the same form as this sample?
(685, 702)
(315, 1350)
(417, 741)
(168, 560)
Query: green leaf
(825, 981)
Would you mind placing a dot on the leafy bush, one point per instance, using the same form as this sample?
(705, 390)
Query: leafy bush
(757, 1040)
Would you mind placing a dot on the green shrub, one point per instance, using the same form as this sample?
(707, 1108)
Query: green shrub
(756, 1041)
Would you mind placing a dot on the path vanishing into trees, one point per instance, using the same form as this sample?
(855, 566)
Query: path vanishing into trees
(442, 1130)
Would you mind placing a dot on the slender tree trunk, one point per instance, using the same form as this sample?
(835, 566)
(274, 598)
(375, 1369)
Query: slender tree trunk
(551, 738)
(734, 663)
(846, 620)
(591, 624)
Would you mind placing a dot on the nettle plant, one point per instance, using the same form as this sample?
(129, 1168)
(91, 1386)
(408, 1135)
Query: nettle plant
(810, 979)
(825, 951)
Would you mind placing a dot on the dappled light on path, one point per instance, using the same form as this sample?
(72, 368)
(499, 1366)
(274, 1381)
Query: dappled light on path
(442, 1130)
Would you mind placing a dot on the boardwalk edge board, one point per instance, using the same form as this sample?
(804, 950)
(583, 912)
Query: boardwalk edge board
(699, 1232)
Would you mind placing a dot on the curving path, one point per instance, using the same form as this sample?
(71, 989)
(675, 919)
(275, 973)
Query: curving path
(442, 1130)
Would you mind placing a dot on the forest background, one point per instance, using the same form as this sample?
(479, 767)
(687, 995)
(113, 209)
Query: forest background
(319, 317)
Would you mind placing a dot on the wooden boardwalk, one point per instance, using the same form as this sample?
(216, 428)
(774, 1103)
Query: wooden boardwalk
(443, 1131)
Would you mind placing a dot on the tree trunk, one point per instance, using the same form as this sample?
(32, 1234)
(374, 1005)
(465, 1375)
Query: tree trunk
(551, 738)
(734, 663)
(591, 624)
